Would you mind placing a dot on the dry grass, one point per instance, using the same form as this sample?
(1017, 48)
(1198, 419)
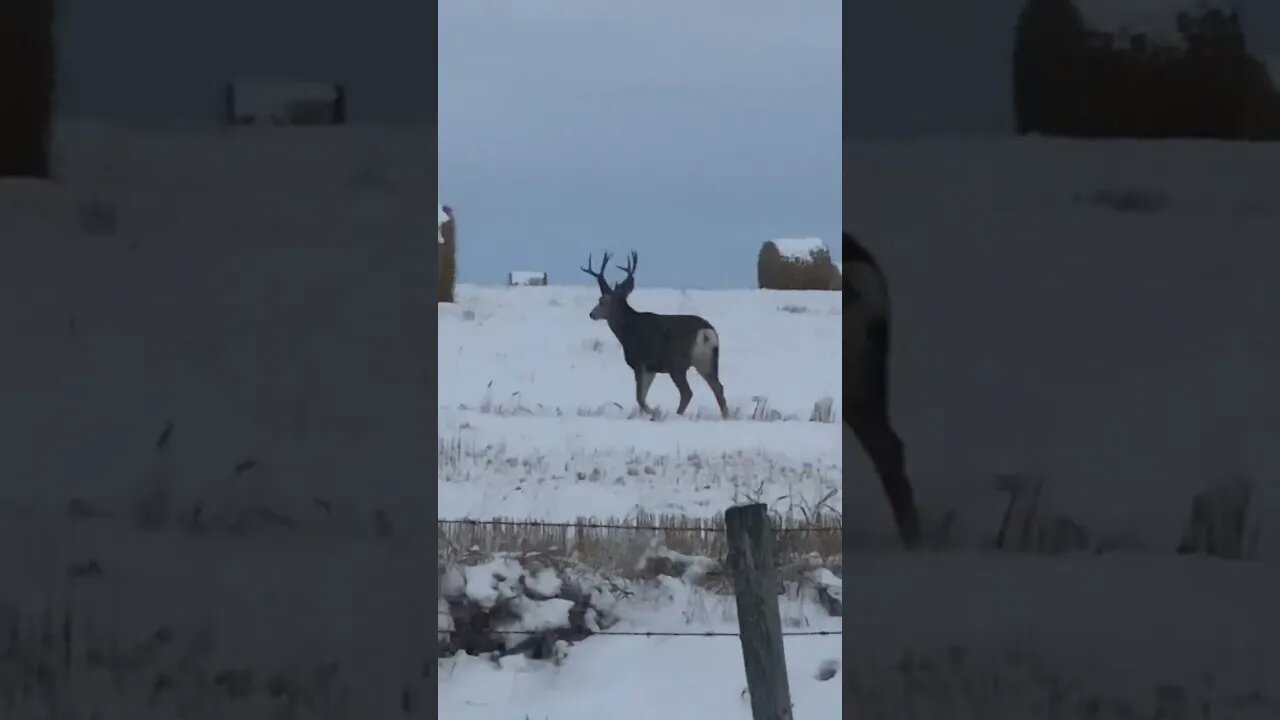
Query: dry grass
(614, 546)
(775, 272)
(758, 410)
(959, 684)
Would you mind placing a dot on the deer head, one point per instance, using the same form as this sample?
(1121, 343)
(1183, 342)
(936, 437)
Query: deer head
(611, 297)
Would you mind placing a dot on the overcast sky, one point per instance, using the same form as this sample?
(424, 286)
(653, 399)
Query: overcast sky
(162, 62)
(691, 132)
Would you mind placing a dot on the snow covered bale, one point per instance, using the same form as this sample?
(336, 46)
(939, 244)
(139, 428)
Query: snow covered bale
(796, 264)
(1140, 69)
(527, 278)
(284, 102)
(1221, 522)
(447, 253)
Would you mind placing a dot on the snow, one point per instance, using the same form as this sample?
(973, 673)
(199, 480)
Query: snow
(535, 419)
(798, 248)
(535, 398)
(1125, 356)
(1158, 19)
(1119, 352)
(651, 677)
(262, 293)
(1121, 356)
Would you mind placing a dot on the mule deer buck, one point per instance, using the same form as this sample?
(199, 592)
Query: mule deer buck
(866, 386)
(653, 343)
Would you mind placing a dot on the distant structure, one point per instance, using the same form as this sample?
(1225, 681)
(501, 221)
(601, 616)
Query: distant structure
(1126, 69)
(283, 102)
(796, 264)
(446, 254)
(526, 278)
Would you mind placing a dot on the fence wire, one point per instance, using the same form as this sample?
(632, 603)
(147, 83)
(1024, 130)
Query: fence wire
(619, 526)
(711, 529)
(655, 634)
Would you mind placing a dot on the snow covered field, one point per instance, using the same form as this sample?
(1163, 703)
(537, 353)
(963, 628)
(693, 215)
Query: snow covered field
(215, 366)
(537, 422)
(536, 407)
(1099, 316)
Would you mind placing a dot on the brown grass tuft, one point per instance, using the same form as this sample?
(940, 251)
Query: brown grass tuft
(615, 550)
(776, 272)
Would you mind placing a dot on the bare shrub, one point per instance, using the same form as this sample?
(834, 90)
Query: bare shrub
(824, 411)
(1029, 526)
(776, 270)
(1221, 524)
(447, 256)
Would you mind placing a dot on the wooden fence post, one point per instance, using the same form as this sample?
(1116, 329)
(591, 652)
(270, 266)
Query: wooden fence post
(759, 624)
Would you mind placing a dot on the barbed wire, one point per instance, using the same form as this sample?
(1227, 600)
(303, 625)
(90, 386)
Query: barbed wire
(620, 526)
(638, 633)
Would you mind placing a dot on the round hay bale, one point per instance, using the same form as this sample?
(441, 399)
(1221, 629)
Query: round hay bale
(837, 278)
(796, 264)
(1099, 69)
(446, 254)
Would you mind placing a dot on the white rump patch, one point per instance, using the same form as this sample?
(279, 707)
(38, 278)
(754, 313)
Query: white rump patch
(704, 346)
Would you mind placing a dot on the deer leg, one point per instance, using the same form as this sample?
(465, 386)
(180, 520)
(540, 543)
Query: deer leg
(717, 389)
(885, 449)
(644, 379)
(682, 384)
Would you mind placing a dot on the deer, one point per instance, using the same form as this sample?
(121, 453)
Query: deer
(866, 386)
(654, 344)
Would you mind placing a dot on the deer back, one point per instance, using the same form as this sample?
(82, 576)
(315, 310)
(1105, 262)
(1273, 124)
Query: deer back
(660, 343)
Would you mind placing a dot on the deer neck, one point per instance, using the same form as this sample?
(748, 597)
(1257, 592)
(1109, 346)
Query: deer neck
(621, 317)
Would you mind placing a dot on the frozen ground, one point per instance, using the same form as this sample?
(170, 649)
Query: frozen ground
(536, 407)
(1097, 315)
(260, 293)
(537, 421)
(1100, 315)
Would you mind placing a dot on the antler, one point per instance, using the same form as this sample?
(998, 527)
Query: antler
(629, 282)
(599, 276)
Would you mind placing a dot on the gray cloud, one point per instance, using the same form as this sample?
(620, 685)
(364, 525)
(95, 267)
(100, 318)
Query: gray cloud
(691, 131)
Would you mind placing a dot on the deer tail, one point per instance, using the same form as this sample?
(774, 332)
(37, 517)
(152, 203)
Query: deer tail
(706, 352)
